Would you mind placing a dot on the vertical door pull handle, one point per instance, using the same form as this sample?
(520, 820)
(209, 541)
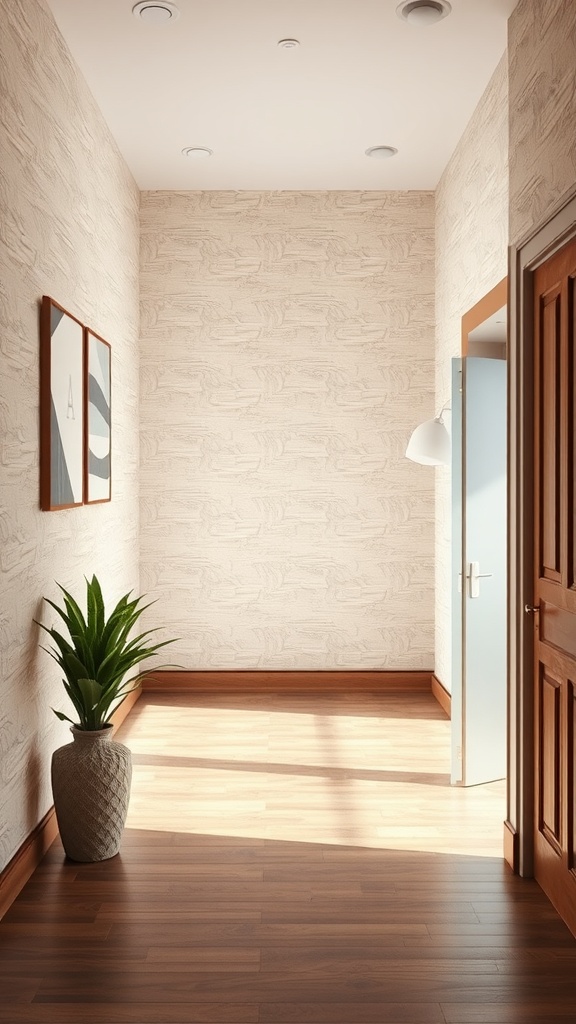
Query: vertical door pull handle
(474, 576)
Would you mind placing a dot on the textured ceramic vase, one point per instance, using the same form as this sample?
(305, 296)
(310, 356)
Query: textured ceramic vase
(91, 785)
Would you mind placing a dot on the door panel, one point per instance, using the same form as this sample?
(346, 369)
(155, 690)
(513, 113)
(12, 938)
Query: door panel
(549, 809)
(571, 775)
(556, 627)
(479, 575)
(550, 435)
(554, 591)
(571, 435)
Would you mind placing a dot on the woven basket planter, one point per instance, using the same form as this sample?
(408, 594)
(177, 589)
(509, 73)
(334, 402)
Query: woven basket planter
(91, 785)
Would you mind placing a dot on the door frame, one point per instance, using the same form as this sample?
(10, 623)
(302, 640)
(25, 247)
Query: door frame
(489, 304)
(524, 258)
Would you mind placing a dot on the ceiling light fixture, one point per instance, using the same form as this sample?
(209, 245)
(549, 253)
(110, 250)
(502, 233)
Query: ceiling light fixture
(288, 44)
(155, 12)
(196, 152)
(381, 152)
(423, 12)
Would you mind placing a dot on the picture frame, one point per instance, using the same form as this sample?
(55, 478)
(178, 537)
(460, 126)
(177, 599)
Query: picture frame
(98, 419)
(62, 402)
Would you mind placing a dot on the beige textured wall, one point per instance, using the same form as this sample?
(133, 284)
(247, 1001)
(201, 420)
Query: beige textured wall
(69, 228)
(471, 257)
(287, 352)
(542, 47)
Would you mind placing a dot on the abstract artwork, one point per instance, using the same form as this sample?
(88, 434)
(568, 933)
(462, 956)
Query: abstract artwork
(61, 408)
(98, 479)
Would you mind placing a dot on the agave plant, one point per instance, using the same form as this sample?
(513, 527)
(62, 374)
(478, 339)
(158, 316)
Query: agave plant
(99, 653)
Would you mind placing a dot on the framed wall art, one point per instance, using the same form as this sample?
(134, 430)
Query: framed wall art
(61, 408)
(98, 427)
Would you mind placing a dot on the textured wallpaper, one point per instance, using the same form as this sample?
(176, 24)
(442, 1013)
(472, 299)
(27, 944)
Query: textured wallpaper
(542, 46)
(471, 257)
(287, 352)
(69, 228)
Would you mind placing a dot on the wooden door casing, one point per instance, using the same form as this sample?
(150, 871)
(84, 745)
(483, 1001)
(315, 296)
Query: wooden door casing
(555, 580)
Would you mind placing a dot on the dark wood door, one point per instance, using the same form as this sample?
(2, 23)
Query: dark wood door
(555, 581)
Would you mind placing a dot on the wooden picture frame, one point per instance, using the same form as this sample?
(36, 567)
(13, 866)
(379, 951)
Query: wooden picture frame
(61, 408)
(98, 419)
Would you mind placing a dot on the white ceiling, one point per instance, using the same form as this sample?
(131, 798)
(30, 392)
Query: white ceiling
(285, 119)
(493, 329)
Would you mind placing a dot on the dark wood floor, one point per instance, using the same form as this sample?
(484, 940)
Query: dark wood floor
(290, 860)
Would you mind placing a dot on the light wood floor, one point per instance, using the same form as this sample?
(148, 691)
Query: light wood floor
(290, 860)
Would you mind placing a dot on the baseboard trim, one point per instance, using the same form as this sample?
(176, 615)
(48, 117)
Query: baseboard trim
(511, 846)
(124, 709)
(28, 856)
(26, 860)
(442, 696)
(168, 681)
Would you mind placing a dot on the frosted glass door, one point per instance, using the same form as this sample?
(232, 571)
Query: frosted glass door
(479, 571)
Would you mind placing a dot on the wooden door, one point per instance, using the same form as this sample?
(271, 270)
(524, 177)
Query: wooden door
(554, 606)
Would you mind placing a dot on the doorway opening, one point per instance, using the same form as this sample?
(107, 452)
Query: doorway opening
(479, 545)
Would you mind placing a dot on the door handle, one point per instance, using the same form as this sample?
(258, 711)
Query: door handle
(474, 576)
(531, 609)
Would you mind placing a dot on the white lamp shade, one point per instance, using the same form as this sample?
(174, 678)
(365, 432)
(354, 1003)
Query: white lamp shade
(430, 444)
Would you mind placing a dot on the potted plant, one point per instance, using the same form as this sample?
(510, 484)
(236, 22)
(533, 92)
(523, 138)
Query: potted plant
(91, 776)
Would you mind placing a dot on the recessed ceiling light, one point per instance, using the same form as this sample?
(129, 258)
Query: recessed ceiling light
(156, 12)
(381, 152)
(423, 12)
(288, 44)
(196, 152)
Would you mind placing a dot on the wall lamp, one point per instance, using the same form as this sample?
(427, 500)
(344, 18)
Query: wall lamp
(430, 442)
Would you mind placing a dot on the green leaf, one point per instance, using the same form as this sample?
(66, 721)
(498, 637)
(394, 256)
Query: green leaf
(91, 692)
(74, 614)
(99, 602)
(62, 716)
(75, 699)
(59, 640)
(74, 668)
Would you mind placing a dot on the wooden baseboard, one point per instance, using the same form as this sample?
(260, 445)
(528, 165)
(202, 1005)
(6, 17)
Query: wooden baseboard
(124, 709)
(273, 681)
(442, 696)
(511, 846)
(27, 858)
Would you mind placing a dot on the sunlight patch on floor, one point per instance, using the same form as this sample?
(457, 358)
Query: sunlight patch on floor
(336, 779)
(323, 740)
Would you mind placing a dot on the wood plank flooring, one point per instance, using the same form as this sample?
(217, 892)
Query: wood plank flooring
(290, 859)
